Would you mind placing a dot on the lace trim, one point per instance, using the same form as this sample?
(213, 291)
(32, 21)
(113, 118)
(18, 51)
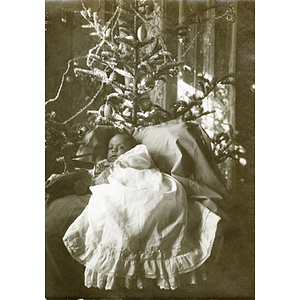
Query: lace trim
(105, 265)
(110, 282)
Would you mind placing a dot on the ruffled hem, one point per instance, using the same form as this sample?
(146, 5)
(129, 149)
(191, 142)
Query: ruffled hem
(111, 282)
(108, 267)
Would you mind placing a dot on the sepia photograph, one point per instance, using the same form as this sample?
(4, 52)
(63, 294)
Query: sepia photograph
(149, 149)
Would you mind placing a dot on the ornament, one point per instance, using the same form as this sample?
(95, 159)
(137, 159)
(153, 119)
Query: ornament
(141, 33)
(106, 111)
(69, 79)
(230, 17)
(180, 40)
(64, 15)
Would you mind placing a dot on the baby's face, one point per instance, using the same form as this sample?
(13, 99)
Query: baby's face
(118, 145)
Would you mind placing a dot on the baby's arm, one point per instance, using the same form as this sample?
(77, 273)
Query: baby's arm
(100, 172)
(99, 167)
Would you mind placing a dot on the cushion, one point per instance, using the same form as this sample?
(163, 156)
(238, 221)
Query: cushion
(183, 150)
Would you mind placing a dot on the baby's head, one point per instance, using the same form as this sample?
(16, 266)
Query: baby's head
(119, 144)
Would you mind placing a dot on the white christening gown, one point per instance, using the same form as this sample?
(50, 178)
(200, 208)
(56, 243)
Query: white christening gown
(140, 226)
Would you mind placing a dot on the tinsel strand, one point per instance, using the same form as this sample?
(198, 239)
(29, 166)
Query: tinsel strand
(189, 5)
(138, 14)
(190, 45)
(197, 34)
(115, 24)
(214, 17)
(86, 106)
(63, 79)
(113, 16)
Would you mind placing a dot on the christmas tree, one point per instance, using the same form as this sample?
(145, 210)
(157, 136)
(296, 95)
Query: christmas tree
(129, 59)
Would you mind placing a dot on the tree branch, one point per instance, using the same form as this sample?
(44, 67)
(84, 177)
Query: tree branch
(63, 79)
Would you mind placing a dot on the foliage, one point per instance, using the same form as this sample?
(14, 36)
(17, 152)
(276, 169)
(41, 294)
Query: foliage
(129, 58)
(225, 147)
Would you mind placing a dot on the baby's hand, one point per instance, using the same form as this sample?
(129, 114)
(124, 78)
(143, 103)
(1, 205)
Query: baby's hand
(100, 166)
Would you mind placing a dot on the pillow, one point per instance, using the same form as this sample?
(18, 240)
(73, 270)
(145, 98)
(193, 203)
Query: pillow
(177, 148)
(161, 143)
(183, 150)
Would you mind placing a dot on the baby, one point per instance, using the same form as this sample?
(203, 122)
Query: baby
(118, 144)
(135, 224)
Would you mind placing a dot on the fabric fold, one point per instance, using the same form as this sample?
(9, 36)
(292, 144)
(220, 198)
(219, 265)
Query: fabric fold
(140, 226)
